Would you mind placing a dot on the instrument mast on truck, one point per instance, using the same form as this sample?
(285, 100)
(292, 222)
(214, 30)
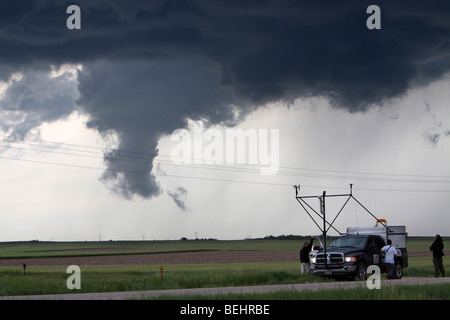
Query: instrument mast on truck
(322, 215)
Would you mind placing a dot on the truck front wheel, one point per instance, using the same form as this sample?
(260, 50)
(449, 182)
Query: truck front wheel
(361, 271)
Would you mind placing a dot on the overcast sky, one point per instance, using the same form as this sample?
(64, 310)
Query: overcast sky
(90, 117)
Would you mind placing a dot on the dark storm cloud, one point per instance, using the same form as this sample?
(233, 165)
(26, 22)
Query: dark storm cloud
(266, 50)
(36, 98)
(149, 65)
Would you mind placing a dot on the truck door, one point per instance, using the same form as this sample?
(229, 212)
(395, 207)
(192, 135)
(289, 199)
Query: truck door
(373, 250)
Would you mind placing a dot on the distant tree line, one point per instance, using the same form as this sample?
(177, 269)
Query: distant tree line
(270, 237)
(208, 239)
(283, 237)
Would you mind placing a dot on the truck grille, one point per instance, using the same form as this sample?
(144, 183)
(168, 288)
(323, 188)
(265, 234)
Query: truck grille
(332, 258)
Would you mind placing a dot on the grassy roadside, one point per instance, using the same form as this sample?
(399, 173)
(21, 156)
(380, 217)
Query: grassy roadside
(48, 280)
(410, 292)
(52, 280)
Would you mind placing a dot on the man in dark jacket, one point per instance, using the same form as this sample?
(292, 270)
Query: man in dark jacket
(304, 256)
(437, 247)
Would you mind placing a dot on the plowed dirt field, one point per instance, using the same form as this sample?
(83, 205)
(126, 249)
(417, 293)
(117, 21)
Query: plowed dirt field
(172, 258)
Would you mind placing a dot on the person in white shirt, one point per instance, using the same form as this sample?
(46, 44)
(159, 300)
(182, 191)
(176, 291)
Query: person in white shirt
(389, 258)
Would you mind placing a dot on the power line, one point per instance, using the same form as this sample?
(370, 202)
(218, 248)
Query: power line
(112, 156)
(134, 156)
(144, 173)
(129, 155)
(58, 143)
(212, 179)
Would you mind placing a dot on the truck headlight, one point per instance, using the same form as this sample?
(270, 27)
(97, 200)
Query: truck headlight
(312, 260)
(350, 259)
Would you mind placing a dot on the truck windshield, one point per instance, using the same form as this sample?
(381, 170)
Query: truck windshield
(347, 242)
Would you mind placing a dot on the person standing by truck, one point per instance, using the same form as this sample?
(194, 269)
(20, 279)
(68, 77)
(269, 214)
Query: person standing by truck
(437, 247)
(389, 252)
(304, 256)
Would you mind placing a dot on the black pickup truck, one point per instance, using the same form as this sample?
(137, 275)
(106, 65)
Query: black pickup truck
(350, 255)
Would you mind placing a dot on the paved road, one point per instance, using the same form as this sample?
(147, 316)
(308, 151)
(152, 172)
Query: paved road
(224, 290)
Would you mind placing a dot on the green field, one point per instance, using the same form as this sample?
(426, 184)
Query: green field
(52, 279)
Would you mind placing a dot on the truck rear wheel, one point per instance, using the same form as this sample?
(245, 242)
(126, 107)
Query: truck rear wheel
(398, 272)
(361, 271)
